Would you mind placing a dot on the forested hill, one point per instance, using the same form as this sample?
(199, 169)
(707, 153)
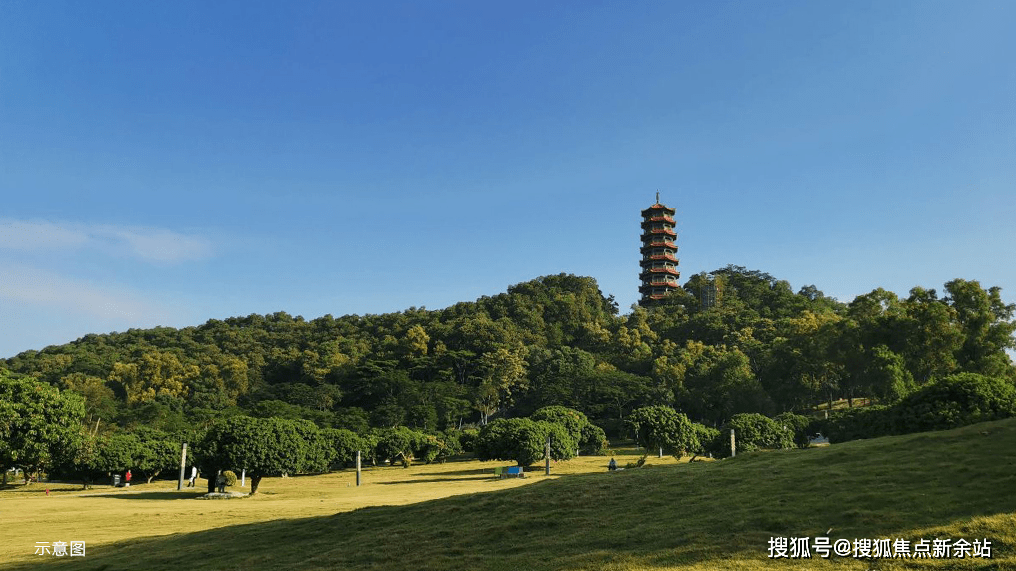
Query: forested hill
(553, 340)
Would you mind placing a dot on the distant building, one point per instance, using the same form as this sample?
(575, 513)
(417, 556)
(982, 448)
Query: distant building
(707, 295)
(659, 253)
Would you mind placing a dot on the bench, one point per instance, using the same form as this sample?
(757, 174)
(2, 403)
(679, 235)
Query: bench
(509, 471)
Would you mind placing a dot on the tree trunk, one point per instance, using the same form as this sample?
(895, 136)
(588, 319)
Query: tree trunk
(255, 481)
(211, 484)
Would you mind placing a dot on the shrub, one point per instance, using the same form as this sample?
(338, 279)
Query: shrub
(399, 444)
(950, 402)
(753, 431)
(230, 477)
(663, 427)
(523, 440)
(707, 439)
(573, 420)
(594, 440)
(467, 439)
(864, 422)
(345, 444)
(452, 446)
(798, 425)
(956, 400)
(318, 454)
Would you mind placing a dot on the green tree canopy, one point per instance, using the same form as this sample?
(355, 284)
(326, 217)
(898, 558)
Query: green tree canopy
(658, 427)
(262, 446)
(38, 423)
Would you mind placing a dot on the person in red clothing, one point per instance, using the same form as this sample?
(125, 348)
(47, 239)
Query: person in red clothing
(127, 479)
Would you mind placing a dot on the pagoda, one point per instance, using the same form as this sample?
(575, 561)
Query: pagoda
(659, 253)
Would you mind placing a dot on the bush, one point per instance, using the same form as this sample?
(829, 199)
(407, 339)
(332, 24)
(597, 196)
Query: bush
(345, 443)
(399, 444)
(452, 446)
(753, 431)
(707, 439)
(523, 440)
(573, 420)
(956, 400)
(318, 454)
(594, 440)
(230, 477)
(467, 439)
(662, 427)
(864, 422)
(950, 402)
(798, 425)
(562, 445)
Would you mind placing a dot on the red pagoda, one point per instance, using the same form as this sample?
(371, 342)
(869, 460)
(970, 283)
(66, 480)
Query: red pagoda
(659, 253)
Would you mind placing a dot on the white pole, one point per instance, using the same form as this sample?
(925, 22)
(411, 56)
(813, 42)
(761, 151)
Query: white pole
(243, 477)
(183, 462)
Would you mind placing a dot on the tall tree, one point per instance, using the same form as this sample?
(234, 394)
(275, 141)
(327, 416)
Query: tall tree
(38, 423)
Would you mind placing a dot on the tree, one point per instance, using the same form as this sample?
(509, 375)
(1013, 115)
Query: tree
(719, 382)
(345, 444)
(156, 373)
(523, 440)
(318, 453)
(659, 427)
(987, 325)
(262, 446)
(99, 398)
(398, 444)
(156, 452)
(753, 431)
(38, 423)
(886, 376)
(505, 373)
(593, 440)
(572, 420)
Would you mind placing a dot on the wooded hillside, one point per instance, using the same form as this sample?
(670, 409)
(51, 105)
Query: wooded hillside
(555, 340)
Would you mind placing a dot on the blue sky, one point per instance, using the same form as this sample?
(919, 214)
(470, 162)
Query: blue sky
(167, 163)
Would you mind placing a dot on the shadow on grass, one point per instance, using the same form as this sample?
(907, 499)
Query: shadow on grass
(425, 480)
(475, 471)
(41, 488)
(154, 495)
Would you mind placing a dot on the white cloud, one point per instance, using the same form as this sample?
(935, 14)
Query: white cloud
(37, 235)
(149, 244)
(25, 285)
(159, 245)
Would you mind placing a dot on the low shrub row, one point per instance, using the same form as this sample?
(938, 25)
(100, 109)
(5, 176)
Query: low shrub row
(950, 402)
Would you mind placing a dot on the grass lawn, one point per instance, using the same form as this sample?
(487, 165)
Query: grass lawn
(705, 515)
(104, 516)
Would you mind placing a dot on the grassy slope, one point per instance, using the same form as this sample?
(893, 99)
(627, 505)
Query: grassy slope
(959, 483)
